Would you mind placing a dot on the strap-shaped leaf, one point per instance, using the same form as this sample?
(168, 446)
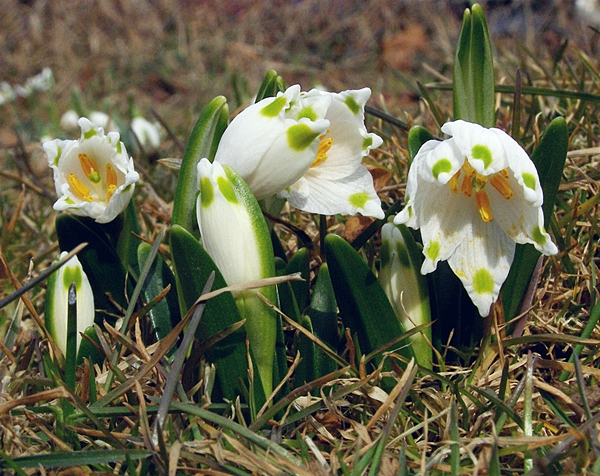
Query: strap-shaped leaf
(202, 144)
(473, 89)
(193, 266)
(363, 305)
(165, 315)
(271, 85)
(323, 314)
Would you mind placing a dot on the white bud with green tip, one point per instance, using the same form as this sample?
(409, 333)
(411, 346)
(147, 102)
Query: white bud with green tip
(235, 235)
(56, 306)
(405, 286)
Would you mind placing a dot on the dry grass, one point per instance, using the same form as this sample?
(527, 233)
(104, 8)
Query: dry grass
(172, 58)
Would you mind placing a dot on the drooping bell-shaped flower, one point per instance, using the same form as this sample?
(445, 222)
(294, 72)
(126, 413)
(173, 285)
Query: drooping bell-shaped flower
(234, 233)
(56, 306)
(336, 181)
(474, 196)
(271, 144)
(308, 147)
(147, 134)
(93, 175)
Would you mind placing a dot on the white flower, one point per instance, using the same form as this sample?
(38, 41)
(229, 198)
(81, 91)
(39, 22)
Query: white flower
(270, 144)
(7, 93)
(336, 181)
(148, 134)
(474, 196)
(56, 307)
(93, 176)
(235, 235)
(68, 120)
(307, 147)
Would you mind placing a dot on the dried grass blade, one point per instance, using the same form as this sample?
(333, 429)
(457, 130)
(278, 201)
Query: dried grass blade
(174, 374)
(402, 389)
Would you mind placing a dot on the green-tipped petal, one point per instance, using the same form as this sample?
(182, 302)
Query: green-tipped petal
(56, 313)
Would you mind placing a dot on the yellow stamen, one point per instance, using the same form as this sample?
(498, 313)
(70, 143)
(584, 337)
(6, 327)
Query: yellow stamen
(483, 205)
(89, 168)
(499, 182)
(111, 181)
(467, 185)
(79, 188)
(454, 182)
(324, 146)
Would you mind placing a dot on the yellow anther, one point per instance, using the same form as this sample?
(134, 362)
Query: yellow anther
(89, 168)
(483, 205)
(111, 181)
(467, 185)
(79, 188)
(454, 182)
(468, 168)
(500, 183)
(324, 146)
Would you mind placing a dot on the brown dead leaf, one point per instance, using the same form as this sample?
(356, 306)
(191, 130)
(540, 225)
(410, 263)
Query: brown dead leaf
(355, 226)
(381, 176)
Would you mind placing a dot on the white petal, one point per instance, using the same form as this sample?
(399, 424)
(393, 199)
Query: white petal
(444, 218)
(482, 262)
(481, 146)
(439, 161)
(521, 220)
(350, 195)
(523, 169)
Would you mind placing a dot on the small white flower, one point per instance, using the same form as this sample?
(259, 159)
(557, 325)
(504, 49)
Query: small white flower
(7, 93)
(474, 196)
(93, 176)
(148, 134)
(68, 120)
(56, 307)
(336, 181)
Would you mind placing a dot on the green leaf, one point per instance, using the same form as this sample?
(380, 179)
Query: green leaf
(193, 266)
(126, 244)
(166, 314)
(271, 85)
(549, 158)
(364, 307)
(88, 350)
(203, 143)
(300, 263)
(99, 261)
(323, 314)
(417, 136)
(473, 89)
(77, 458)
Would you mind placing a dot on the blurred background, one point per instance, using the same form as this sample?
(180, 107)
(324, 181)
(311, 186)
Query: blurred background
(174, 56)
